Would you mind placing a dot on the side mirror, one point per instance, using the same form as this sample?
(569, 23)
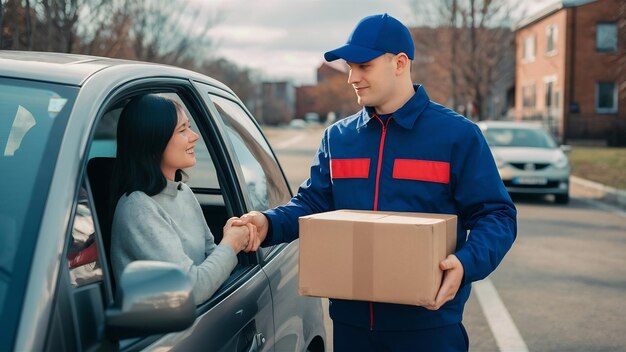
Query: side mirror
(153, 297)
(566, 148)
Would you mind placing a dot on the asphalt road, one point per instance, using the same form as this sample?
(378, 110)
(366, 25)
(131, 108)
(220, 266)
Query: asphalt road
(562, 287)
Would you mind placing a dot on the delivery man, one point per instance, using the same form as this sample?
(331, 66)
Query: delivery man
(402, 152)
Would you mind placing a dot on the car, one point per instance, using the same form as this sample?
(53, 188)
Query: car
(297, 124)
(58, 118)
(528, 158)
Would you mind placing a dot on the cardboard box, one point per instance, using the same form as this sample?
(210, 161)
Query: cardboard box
(374, 256)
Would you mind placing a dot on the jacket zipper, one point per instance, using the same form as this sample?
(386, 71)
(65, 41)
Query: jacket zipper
(380, 158)
(378, 167)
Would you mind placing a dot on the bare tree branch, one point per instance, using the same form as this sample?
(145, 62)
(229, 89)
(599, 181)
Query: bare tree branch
(473, 42)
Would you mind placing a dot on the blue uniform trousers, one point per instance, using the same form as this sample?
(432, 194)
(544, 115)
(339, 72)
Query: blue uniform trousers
(347, 338)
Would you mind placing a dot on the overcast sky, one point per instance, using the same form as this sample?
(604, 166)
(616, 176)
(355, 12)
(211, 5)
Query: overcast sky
(286, 39)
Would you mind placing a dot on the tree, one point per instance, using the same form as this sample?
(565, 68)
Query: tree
(171, 32)
(165, 31)
(44, 25)
(477, 44)
(240, 80)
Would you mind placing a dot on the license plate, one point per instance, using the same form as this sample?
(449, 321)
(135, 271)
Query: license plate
(530, 181)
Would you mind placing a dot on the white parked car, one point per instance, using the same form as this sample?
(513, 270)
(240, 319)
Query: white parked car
(528, 158)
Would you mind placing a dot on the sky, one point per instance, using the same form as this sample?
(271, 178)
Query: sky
(286, 39)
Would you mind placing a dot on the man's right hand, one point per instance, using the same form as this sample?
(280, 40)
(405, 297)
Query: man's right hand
(262, 224)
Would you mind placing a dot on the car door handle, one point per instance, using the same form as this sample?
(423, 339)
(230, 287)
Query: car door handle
(257, 342)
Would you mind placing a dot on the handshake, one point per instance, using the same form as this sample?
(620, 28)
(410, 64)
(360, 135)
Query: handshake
(247, 232)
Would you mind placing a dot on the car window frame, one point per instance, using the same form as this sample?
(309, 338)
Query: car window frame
(63, 279)
(206, 90)
(233, 196)
(267, 145)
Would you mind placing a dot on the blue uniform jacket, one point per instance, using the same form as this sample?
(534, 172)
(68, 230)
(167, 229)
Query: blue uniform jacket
(425, 158)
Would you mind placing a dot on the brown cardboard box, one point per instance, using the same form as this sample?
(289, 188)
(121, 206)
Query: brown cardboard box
(374, 256)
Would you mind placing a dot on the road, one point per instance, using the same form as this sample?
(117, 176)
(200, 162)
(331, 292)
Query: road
(562, 286)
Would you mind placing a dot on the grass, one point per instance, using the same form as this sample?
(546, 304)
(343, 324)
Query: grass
(600, 164)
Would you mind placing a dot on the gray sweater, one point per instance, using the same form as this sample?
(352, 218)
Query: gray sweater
(170, 227)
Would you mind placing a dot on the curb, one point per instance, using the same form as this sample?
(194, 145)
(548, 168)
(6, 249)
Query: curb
(599, 192)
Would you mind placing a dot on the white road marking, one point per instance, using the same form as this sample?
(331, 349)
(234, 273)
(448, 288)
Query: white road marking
(291, 141)
(502, 326)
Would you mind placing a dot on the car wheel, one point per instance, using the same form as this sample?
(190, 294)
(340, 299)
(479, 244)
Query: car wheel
(561, 198)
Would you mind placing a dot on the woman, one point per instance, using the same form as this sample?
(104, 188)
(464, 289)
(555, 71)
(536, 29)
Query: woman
(157, 216)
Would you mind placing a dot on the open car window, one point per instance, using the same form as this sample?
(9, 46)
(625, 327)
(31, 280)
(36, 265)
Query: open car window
(202, 178)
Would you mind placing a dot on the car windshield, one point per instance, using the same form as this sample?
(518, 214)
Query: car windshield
(519, 137)
(33, 116)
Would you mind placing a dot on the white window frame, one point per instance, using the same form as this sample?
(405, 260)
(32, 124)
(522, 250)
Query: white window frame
(555, 35)
(611, 110)
(530, 48)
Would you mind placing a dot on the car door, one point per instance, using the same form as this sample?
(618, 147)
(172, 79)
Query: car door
(297, 320)
(238, 317)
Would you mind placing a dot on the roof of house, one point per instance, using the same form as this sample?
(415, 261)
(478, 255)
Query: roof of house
(549, 10)
(337, 65)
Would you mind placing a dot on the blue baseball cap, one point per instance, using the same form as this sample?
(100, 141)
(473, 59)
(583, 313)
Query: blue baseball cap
(374, 36)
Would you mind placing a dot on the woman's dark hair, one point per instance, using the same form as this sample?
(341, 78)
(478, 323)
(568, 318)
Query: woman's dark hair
(144, 129)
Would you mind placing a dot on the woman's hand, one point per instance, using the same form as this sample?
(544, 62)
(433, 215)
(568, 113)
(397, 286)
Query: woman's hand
(260, 224)
(237, 235)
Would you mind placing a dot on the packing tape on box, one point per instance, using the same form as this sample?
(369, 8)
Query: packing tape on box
(363, 259)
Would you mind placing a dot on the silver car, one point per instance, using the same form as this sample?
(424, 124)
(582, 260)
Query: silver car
(58, 118)
(528, 158)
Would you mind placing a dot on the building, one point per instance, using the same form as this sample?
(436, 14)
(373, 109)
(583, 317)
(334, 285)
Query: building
(330, 95)
(279, 102)
(329, 70)
(444, 64)
(570, 63)
(307, 97)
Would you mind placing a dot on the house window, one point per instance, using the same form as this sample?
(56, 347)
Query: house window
(528, 96)
(551, 37)
(606, 37)
(550, 97)
(549, 92)
(529, 48)
(606, 98)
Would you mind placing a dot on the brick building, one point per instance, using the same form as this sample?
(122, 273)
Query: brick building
(570, 65)
(331, 94)
(329, 70)
(306, 96)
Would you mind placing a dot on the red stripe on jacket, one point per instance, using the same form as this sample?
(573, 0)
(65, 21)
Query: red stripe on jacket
(349, 168)
(421, 170)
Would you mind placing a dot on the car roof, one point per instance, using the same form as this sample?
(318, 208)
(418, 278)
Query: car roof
(510, 124)
(75, 69)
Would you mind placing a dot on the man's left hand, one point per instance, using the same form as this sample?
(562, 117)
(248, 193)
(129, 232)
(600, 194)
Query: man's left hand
(452, 277)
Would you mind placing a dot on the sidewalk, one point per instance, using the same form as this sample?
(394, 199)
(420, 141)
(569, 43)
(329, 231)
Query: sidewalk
(598, 192)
